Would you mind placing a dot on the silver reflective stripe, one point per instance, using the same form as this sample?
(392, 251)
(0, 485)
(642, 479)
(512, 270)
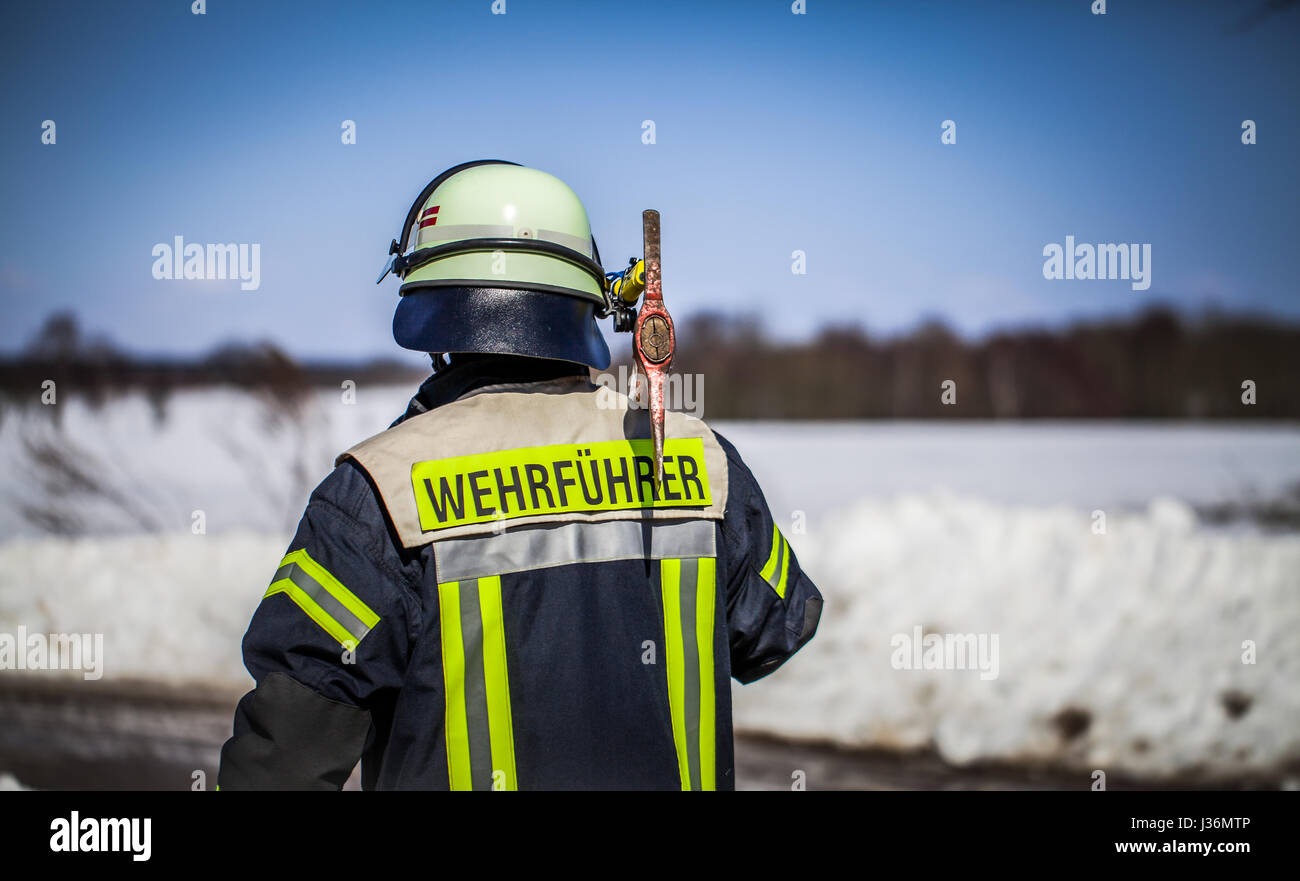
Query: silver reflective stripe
(539, 547)
(323, 598)
(577, 243)
(476, 707)
(464, 231)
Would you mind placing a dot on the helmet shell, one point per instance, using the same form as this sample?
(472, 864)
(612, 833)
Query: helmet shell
(503, 201)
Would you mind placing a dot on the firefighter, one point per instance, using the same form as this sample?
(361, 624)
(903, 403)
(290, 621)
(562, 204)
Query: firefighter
(497, 592)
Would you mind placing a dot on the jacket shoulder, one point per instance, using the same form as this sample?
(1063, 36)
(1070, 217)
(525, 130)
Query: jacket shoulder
(423, 464)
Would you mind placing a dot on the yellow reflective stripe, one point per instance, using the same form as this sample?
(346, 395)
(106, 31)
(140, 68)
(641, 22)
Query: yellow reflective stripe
(670, 587)
(777, 567)
(480, 730)
(328, 590)
(772, 558)
(689, 610)
(314, 611)
(327, 580)
(785, 568)
(497, 682)
(559, 478)
(705, 594)
(453, 677)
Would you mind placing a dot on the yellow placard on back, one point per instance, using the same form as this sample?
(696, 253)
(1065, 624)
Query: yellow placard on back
(558, 479)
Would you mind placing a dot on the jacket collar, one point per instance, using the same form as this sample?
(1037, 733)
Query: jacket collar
(467, 373)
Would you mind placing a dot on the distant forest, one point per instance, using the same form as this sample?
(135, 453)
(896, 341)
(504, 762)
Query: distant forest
(1153, 365)
(1157, 364)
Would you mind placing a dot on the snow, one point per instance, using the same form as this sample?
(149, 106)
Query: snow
(827, 466)
(241, 460)
(247, 463)
(1141, 629)
(172, 607)
(1135, 635)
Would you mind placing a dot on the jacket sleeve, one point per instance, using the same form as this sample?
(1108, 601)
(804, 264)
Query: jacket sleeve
(772, 606)
(327, 645)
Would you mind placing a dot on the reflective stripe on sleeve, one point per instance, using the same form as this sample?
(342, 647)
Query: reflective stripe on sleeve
(324, 598)
(777, 568)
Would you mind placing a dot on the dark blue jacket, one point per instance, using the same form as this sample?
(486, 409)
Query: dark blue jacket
(601, 669)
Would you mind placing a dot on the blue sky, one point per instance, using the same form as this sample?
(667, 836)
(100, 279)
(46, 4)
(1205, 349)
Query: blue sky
(775, 132)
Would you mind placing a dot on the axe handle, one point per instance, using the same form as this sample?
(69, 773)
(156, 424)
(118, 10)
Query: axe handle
(655, 345)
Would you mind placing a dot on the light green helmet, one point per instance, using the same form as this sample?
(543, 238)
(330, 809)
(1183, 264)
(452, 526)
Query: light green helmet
(495, 257)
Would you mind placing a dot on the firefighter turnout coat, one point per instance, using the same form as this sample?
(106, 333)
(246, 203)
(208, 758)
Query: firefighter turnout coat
(495, 593)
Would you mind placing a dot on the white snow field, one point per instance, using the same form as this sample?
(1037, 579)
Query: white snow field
(1120, 651)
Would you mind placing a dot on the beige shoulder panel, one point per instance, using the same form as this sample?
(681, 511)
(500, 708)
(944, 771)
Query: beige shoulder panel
(499, 420)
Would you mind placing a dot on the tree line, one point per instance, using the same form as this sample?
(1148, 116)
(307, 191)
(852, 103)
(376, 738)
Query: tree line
(1156, 364)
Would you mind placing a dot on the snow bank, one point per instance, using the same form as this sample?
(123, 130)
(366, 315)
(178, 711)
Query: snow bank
(1117, 651)
(1136, 636)
(171, 607)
